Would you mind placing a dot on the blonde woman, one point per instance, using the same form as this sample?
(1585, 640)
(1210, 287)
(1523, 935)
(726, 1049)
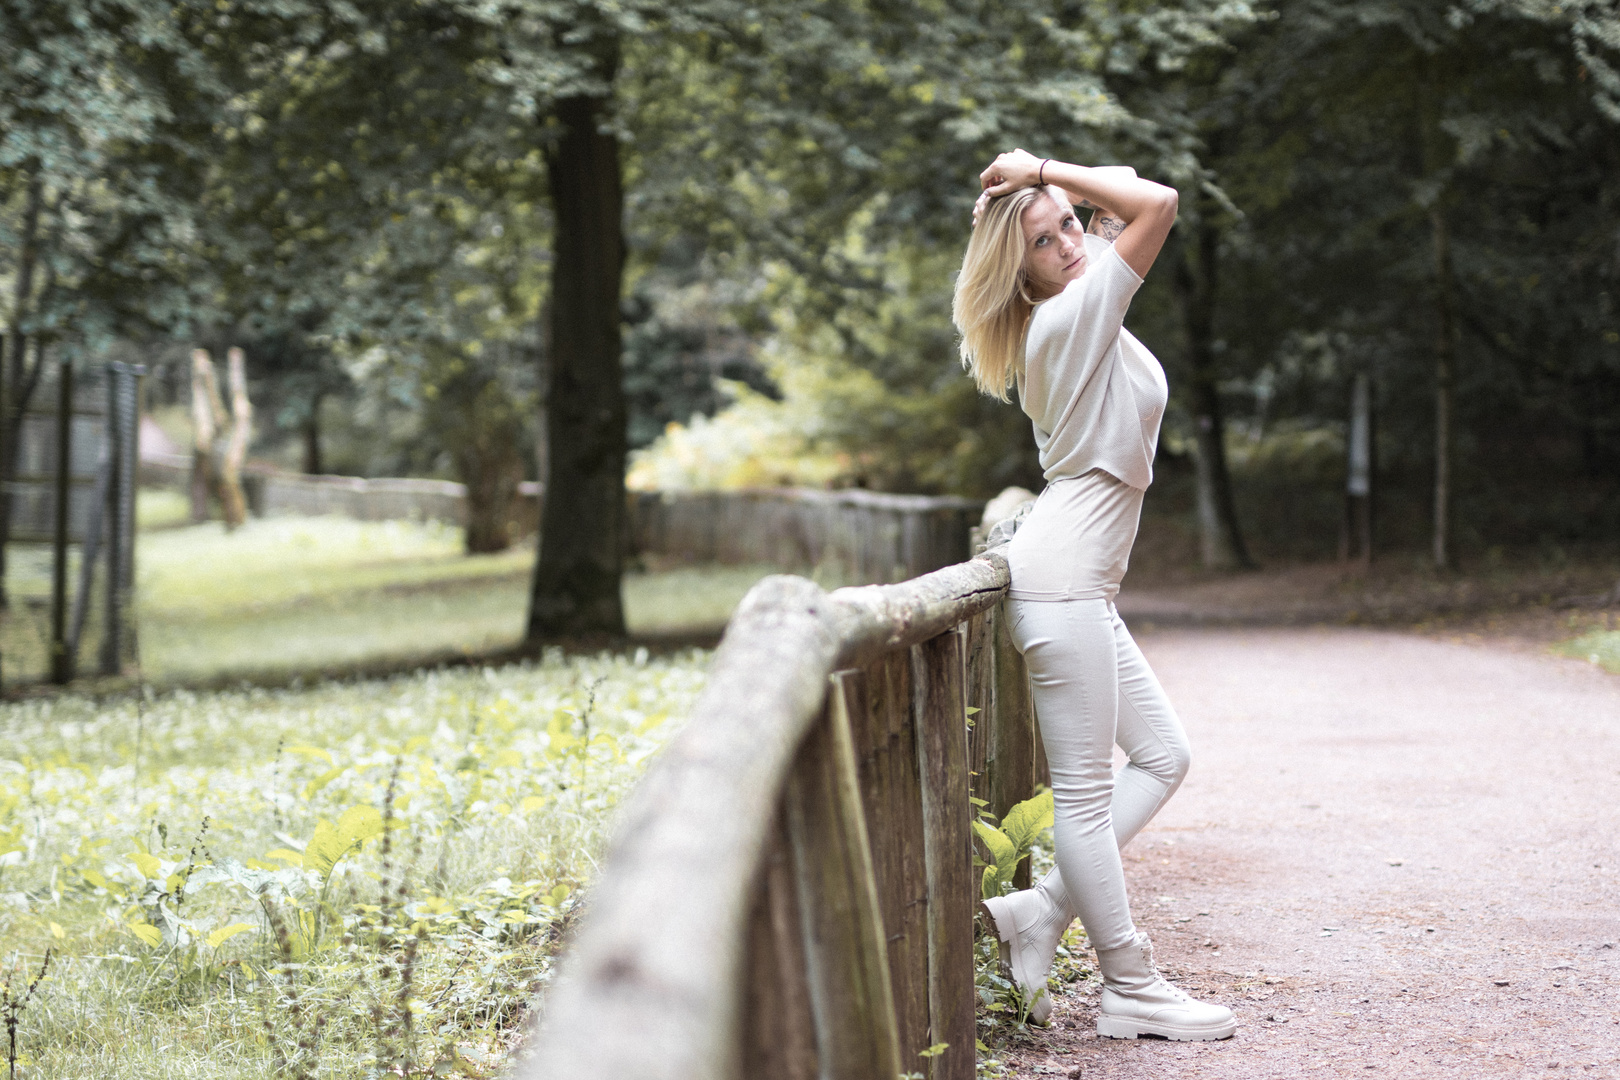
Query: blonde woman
(1040, 304)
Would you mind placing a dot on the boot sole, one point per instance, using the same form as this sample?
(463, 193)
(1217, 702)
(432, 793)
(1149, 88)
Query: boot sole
(1120, 1027)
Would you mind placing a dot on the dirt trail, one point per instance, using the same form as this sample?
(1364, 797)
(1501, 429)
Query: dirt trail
(1394, 856)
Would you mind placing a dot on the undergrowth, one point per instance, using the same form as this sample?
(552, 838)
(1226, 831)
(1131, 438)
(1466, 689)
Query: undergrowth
(1003, 1012)
(358, 880)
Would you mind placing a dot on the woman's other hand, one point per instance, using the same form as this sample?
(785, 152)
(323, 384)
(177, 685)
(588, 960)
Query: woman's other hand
(978, 206)
(1009, 172)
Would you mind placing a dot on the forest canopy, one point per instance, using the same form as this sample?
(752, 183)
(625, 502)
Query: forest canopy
(521, 238)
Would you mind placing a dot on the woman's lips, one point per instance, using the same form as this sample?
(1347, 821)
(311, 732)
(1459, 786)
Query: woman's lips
(1074, 264)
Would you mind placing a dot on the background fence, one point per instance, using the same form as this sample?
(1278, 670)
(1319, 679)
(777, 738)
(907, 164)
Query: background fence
(792, 891)
(856, 536)
(860, 536)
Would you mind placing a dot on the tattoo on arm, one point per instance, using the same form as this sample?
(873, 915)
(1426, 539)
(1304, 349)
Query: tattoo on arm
(1106, 225)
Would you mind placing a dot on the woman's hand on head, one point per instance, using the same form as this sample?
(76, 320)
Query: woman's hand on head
(1011, 171)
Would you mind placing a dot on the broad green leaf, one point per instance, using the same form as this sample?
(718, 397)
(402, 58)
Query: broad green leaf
(225, 933)
(325, 848)
(284, 854)
(319, 782)
(332, 842)
(150, 866)
(147, 933)
(531, 803)
(1025, 822)
(995, 841)
(312, 752)
(361, 822)
(1003, 854)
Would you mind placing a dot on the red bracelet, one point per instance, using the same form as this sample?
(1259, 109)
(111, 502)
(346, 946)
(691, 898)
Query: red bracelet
(1041, 176)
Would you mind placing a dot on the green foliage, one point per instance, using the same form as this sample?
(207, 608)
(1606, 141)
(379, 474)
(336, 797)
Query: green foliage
(354, 880)
(1002, 1007)
(1021, 829)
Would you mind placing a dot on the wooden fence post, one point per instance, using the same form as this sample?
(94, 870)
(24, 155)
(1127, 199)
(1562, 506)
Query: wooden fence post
(878, 703)
(941, 715)
(981, 682)
(1011, 750)
(846, 958)
(779, 1028)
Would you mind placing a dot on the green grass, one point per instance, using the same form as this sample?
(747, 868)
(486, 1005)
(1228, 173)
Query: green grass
(282, 596)
(212, 874)
(1601, 647)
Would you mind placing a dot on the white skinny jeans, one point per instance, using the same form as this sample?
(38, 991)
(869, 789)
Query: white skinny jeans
(1093, 688)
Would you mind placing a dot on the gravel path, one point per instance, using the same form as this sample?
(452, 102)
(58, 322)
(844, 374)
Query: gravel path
(1394, 856)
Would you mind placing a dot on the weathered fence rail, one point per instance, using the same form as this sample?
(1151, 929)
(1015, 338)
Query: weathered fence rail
(272, 491)
(863, 536)
(791, 892)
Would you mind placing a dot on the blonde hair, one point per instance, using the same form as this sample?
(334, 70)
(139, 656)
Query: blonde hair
(992, 304)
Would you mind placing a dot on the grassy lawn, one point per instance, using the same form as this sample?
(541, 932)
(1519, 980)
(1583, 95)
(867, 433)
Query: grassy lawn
(287, 595)
(355, 880)
(1601, 647)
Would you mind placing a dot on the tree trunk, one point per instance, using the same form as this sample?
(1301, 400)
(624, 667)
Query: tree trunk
(312, 437)
(231, 498)
(1445, 363)
(13, 395)
(1221, 540)
(581, 557)
(207, 413)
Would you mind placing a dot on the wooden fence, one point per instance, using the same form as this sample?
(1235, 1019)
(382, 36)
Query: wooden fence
(791, 893)
(862, 536)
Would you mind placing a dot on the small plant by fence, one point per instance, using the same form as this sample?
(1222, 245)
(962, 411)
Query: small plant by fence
(792, 892)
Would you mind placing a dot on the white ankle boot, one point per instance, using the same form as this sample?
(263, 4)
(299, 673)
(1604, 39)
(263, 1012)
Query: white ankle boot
(1136, 1000)
(1029, 925)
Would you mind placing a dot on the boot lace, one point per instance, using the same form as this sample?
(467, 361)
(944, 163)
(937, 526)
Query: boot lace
(1177, 992)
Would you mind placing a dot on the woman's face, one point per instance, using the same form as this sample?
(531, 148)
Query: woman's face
(1053, 250)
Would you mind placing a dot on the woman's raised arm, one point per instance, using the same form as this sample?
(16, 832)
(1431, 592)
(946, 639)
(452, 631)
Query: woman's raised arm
(1148, 209)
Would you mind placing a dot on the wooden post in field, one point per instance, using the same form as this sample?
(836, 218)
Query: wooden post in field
(230, 473)
(207, 414)
(61, 667)
(123, 427)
